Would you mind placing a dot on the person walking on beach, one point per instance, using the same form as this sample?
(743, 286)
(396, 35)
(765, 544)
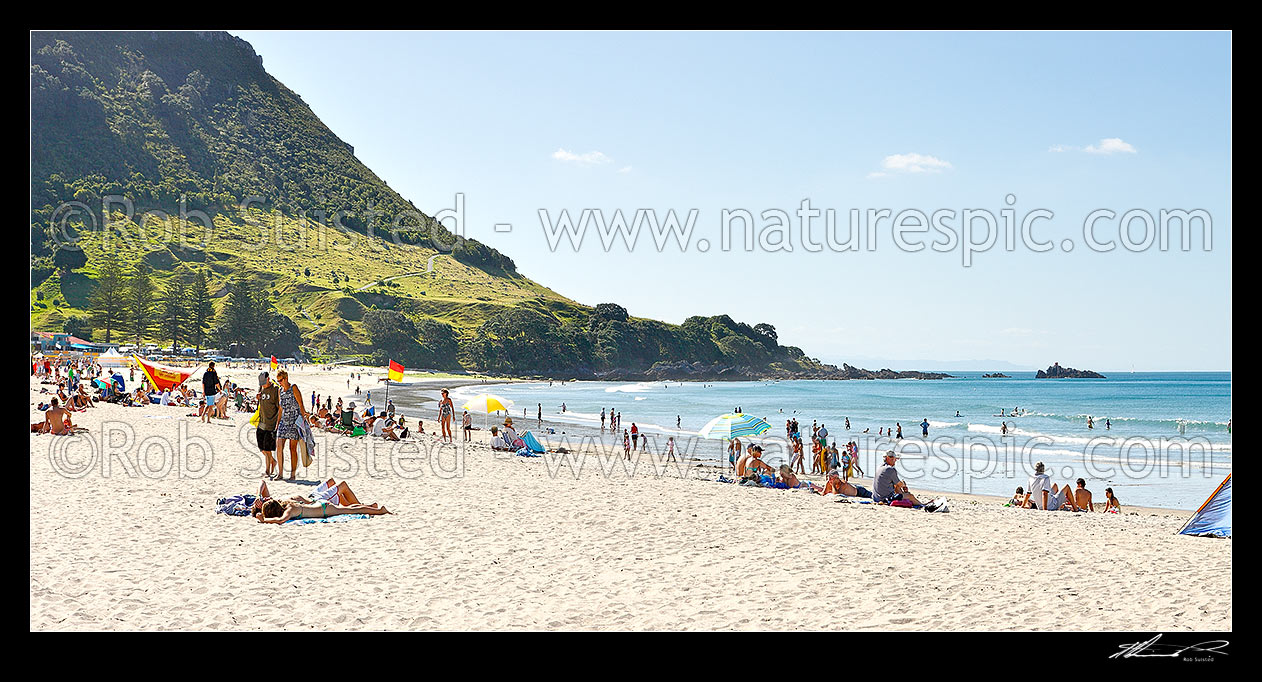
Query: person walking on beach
(446, 411)
(210, 387)
(626, 444)
(924, 427)
(540, 414)
(635, 435)
(291, 410)
(269, 409)
(466, 424)
(602, 420)
(670, 449)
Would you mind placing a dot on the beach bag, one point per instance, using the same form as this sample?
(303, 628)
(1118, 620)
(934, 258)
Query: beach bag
(939, 505)
(901, 503)
(254, 420)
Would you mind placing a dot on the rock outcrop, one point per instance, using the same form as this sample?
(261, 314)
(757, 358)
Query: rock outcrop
(1058, 372)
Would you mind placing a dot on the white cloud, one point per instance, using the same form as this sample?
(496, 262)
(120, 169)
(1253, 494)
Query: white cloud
(1112, 145)
(624, 169)
(588, 159)
(1108, 145)
(914, 163)
(878, 174)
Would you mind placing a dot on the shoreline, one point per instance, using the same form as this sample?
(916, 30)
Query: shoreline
(488, 540)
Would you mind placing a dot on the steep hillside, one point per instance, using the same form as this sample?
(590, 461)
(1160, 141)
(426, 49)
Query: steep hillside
(179, 155)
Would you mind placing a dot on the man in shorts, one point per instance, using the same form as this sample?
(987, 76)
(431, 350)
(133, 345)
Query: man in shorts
(887, 486)
(210, 387)
(269, 410)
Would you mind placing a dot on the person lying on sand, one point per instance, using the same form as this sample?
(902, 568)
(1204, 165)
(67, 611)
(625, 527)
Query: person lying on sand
(837, 485)
(274, 511)
(328, 491)
(791, 480)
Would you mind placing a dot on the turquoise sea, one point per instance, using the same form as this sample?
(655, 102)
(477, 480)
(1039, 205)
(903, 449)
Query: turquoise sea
(1167, 442)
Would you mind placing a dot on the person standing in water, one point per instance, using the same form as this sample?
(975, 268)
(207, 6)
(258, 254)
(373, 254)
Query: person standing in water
(602, 420)
(900, 431)
(924, 427)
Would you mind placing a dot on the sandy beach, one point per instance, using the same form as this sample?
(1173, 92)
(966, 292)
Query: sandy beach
(126, 537)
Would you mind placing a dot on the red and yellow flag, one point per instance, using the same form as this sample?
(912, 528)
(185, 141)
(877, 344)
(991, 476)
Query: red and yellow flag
(274, 364)
(396, 371)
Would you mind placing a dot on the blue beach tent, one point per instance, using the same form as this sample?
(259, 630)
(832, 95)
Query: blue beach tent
(1214, 517)
(531, 442)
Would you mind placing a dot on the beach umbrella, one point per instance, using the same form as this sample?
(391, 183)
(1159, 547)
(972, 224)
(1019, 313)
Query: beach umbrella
(729, 426)
(486, 404)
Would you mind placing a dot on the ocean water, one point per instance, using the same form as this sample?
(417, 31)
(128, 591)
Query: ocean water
(1167, 443)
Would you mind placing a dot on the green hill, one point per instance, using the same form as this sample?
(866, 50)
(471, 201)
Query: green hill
(236, 177)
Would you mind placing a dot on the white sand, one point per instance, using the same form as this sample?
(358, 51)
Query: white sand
(505, 545)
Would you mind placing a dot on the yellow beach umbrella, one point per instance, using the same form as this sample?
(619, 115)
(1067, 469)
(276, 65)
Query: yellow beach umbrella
(486, 404)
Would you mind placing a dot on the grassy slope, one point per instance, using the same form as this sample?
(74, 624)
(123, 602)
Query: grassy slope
(326, 304)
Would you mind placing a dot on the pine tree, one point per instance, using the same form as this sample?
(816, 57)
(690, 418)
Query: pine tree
(175, 309)
(201, 309)
(140, 303)
(108, 303)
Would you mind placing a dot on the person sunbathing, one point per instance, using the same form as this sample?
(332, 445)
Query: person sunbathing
(836, 485)
(275, 511)
(791, 480)
(751, 463)
(328, 491)
(57, 420)
(498, 441)
(1111, 503)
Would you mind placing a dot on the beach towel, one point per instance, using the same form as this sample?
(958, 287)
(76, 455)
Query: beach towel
(328, 519)
(306, 442)
(237, 505)
(525, 452)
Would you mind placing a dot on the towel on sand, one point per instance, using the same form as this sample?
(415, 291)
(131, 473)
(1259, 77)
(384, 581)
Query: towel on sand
(328, 519)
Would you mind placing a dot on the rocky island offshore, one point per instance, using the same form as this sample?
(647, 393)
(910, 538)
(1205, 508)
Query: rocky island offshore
(1058, 372)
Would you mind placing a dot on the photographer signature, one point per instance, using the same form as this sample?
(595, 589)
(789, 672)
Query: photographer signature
(1151, 649)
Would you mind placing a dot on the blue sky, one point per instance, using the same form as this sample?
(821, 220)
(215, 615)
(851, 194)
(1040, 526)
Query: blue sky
(1067, 122)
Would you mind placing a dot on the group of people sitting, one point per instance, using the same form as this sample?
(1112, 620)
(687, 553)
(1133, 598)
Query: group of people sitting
(751, 470)
(506, 438)
(1043, 494)
(366, 422)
